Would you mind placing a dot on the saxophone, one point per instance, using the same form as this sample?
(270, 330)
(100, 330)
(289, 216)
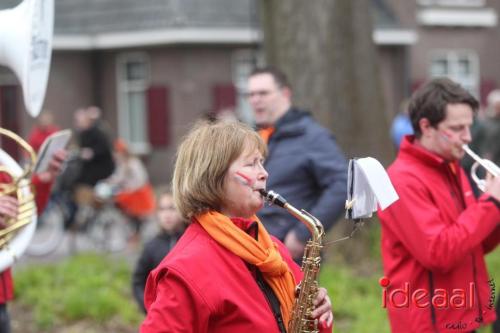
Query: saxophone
(307, 290)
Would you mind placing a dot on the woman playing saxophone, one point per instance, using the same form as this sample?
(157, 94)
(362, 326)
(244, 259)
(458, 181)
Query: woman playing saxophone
(226, 273)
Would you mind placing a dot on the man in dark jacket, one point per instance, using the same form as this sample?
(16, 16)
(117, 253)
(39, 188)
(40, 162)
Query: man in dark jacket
(435, 236)
(304, 163)
(96, 151)
(95, 163)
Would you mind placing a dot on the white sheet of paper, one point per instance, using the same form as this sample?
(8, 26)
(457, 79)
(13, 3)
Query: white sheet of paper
(370, 186)
(53, 143)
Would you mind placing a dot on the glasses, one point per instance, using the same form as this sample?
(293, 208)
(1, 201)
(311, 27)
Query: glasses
(258, 93)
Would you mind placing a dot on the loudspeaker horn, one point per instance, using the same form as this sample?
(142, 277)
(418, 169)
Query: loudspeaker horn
(26, 47)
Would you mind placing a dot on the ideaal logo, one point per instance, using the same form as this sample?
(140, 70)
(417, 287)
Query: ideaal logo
(422, 298)
(440, 299)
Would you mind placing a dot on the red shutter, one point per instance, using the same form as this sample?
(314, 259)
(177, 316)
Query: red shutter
(158, 115)
(416, 84)
(224, 97)
(486, 87)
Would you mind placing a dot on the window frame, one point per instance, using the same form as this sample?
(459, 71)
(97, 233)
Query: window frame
(249, 58)
(452, 56)
(124, 88)
(452, 3)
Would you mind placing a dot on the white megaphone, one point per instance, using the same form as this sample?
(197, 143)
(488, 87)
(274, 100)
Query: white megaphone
(26, 47)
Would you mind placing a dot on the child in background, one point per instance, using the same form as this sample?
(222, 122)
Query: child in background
(171, 228)
(134, 193)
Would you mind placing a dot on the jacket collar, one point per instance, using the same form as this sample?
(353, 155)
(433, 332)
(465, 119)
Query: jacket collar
(290, 124)
(409, 149)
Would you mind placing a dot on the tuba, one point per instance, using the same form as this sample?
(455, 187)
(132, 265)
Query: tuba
(26, 48)
(301, 320)
(23, 226)
(488, 165)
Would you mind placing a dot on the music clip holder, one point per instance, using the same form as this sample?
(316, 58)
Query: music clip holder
(368, 187)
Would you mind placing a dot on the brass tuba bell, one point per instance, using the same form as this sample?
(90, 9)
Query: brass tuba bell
(15, 237)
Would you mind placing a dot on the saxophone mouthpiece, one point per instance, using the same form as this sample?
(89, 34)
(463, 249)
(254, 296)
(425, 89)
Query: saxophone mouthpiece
(273, 198)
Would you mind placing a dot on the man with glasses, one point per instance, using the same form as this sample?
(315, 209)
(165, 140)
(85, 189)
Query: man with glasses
(435, 236)
(304, 163)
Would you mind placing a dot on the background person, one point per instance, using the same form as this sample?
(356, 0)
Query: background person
(304, 162)
(226, 273)
(95, 149)
(491, 143)
(490, 149)
(171, 228)
(134, 193)
(435, 236)
(401, 125)
(42, 129)
(95, 161)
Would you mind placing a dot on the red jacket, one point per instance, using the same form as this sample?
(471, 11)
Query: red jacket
(202, 287)
(39, 134)
(42, 192)
(433, 238)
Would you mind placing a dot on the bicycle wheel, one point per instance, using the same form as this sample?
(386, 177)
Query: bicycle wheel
(109, 231)
(49, 232)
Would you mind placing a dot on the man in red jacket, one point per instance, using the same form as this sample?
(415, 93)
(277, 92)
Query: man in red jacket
(42, 183)
(435, 236)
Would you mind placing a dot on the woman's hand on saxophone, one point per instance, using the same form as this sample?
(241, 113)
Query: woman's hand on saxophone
(323, 309)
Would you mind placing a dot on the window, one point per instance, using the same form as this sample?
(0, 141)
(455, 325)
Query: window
(460, 66)
(243, 63)
(132, 83)
(452, 3)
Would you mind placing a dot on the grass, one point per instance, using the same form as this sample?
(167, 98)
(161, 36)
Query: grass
(96, 288)
(84, 287)
(356, 300)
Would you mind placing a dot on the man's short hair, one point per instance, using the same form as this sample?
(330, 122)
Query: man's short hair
(431, 100)
(203, 159)
(279, 77)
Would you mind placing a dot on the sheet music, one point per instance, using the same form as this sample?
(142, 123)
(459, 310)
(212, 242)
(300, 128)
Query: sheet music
(53, 143)
(369, 186)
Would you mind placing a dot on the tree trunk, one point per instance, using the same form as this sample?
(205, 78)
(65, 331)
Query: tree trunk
(327, 50)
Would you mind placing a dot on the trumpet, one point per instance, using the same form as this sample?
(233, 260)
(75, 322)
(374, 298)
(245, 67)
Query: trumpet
(488, 165)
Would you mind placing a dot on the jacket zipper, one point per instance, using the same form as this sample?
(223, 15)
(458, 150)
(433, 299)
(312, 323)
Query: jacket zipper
(474, 272)
(433, 311)
(272, 301)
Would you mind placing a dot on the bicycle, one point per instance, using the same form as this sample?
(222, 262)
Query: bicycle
(98, 224)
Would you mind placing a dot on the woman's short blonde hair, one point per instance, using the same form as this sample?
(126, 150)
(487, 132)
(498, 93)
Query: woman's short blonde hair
(203, 159)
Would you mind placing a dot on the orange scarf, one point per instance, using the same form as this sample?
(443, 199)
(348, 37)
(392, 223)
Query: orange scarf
(265, 133)
(262, 253)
